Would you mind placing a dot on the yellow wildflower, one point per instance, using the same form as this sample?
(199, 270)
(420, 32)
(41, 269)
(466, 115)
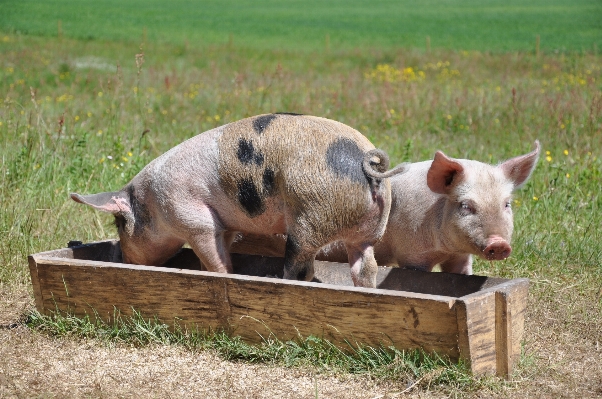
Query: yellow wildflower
(566, 152)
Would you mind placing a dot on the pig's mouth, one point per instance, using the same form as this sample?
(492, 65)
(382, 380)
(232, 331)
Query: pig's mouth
(496, 248)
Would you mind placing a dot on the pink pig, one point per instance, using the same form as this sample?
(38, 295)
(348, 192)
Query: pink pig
(446, 210)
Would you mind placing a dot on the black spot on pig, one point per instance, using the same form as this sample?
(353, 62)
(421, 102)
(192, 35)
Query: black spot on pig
(287, 113)
(262, 122)
(302, 275)
(292, 247)
(344, 158)
(249, 198)
(269, 185)
(246, 153)
(258, 159)
(142, 216)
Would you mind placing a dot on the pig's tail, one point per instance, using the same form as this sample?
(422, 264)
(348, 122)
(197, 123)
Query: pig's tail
(376, 163)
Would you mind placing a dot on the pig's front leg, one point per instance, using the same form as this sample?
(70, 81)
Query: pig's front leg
(363, 265)
(459, 264)
(210, 241)
(298, 260)
(211, 247)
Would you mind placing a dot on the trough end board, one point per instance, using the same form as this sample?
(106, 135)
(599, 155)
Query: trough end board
(511, 304)
(35, 282)
(476, 329)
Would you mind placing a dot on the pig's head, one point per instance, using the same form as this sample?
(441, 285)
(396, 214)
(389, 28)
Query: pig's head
(140, 244)
(477, 214)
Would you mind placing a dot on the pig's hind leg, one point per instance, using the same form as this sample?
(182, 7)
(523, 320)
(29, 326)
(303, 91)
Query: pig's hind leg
(363, 264)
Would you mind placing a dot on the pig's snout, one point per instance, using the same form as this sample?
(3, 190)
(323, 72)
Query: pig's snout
(497, 249)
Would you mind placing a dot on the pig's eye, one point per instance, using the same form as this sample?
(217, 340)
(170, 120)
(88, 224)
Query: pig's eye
(466, 209)
(508, 205)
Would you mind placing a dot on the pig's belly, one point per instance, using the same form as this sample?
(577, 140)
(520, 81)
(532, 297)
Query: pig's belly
(272, 221)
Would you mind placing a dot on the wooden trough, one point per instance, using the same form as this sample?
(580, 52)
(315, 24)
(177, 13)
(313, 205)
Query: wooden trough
(474, 318)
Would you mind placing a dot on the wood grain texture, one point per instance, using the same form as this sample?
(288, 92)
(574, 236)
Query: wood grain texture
(511, 304)
(35, 282)
(271, 245)
(475, 318)
(476, 325)
(249, 306)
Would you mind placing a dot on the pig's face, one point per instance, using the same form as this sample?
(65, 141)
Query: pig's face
(141, 242)
(477, 215)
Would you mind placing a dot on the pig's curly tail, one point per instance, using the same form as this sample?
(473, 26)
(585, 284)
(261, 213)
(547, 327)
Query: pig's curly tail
(376, 163)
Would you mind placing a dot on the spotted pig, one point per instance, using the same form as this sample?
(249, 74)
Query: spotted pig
(313, 179)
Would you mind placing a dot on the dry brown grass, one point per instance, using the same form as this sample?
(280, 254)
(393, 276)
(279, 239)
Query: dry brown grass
(35, 365)
(563, 358)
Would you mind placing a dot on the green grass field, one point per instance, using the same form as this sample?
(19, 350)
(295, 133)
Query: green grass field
(293, 24)
(85, 112)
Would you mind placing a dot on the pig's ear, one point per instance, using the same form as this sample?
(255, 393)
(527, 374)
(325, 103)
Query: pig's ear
(442, 172)
(116, 202)
(520, 168)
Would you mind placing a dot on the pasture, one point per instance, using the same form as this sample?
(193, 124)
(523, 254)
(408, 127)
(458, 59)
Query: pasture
(311, 25)
(85, 111)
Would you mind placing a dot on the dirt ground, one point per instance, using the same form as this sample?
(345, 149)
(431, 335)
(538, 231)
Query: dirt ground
(562, 346)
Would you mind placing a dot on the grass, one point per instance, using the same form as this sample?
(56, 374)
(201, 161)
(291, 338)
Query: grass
(383, 362)
(311, 25)
(75, 121)
(86, 115)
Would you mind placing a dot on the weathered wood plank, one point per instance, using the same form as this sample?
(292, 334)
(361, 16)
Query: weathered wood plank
(249, 306)
(511, 303)
(479, 319)
(270, 245)
(476, 327)
(35, 282)
(503, 306)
